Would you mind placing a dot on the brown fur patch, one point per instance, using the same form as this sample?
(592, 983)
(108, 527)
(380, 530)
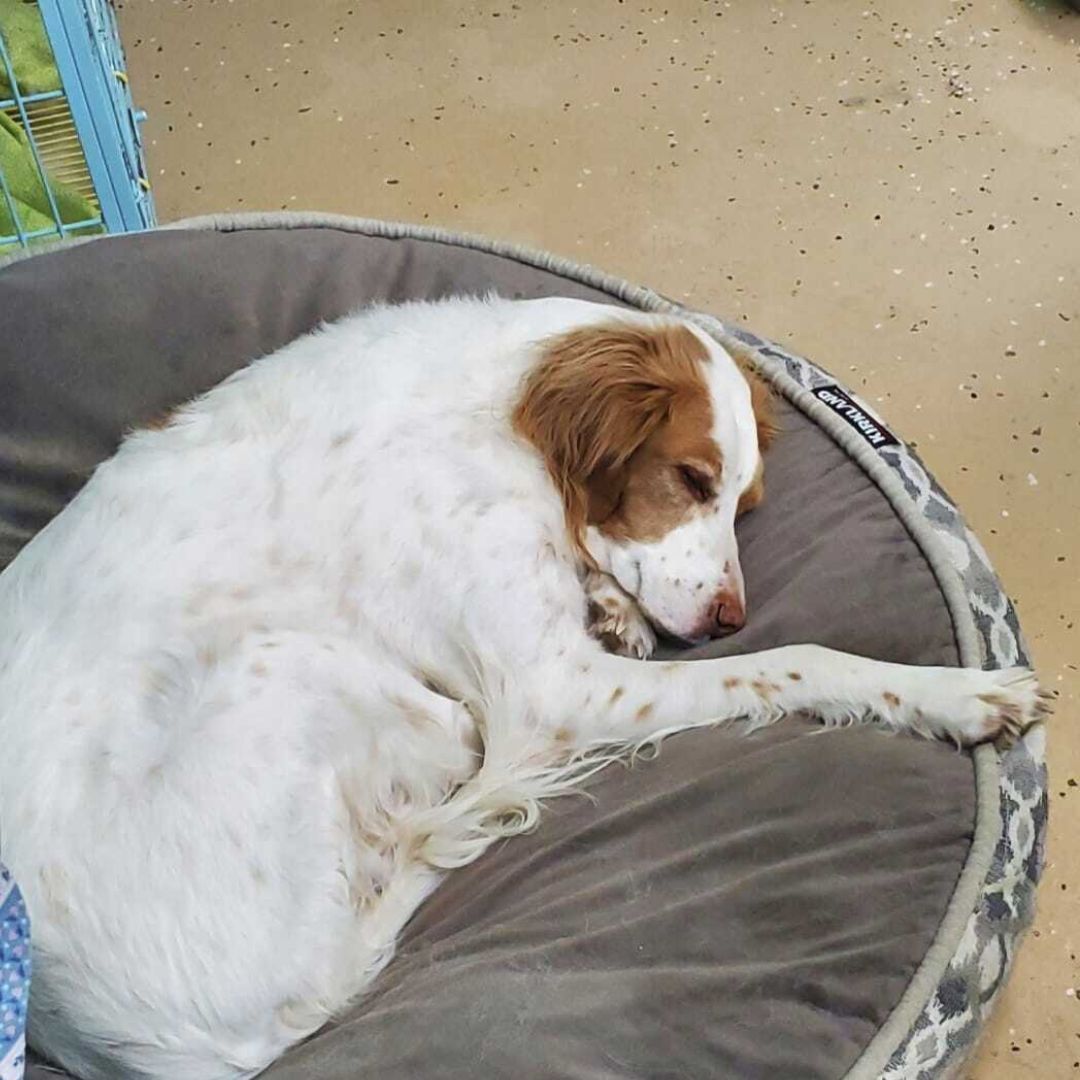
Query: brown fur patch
(669, 479)
(644, 712)
(161, 421)
(794, 676)
(616, 694)
(614, 409)
(764, 689)
(731, 682)
(563, 736)
(891, 698)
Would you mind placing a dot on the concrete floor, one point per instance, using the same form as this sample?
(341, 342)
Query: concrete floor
(890, 188)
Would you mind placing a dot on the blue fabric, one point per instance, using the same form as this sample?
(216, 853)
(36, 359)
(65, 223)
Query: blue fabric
(14, 977)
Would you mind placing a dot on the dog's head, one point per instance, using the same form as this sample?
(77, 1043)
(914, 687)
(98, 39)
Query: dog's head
(653, 435)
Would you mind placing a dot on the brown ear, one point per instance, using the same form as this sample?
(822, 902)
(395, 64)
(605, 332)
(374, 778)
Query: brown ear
(595, 396)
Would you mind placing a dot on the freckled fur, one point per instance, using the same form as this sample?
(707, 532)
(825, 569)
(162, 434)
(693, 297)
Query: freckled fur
(764, 689)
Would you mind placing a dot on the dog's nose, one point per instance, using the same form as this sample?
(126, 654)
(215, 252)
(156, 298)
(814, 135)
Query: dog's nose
(729, 613)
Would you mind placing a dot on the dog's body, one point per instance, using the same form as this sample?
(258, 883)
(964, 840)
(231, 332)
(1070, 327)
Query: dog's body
(326, 633)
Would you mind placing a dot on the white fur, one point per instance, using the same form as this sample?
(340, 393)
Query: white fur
(280, 664)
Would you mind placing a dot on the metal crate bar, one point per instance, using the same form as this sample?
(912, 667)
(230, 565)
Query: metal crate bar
(123, 209)
(9, 202)
(30, 99)
(39, 234)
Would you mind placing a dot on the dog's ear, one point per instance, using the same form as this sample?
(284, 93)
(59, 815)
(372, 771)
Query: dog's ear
(593, 399)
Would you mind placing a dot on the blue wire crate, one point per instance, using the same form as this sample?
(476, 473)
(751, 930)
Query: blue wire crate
(75, 145)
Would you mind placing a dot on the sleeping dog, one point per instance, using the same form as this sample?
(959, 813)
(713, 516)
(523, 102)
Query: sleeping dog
(330, 629)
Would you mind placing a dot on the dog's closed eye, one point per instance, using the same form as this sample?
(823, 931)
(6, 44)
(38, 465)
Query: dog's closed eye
(698, 483)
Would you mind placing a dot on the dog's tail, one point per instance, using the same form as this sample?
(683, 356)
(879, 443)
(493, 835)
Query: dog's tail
(521, 768)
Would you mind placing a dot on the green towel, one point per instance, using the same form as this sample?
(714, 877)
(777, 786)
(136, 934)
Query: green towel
(31, 58)
(28, 50)
(28, 193)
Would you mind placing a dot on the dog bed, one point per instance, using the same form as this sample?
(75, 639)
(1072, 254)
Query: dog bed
(795, 903)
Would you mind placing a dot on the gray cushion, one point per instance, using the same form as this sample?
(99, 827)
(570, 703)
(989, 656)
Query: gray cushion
(743, 906)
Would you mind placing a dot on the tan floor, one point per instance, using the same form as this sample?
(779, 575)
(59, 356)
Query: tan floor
(890, 188)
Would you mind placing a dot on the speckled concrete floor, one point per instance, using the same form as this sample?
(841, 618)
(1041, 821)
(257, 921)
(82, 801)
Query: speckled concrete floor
(889, 187)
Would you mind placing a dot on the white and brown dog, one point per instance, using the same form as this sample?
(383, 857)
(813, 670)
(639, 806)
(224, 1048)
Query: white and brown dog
(336, 625)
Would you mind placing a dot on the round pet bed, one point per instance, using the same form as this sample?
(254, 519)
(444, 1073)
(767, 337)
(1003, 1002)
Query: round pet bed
(793, 903)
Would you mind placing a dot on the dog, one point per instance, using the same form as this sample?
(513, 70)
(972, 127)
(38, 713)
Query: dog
(331, 629)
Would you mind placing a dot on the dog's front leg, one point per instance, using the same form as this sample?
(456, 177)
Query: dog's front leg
(590, 697)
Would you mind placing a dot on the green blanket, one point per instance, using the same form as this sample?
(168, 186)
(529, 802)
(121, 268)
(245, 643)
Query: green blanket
(28, 50)
(27, 191)
(32, 61)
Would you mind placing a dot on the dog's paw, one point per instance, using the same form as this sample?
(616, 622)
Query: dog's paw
(616, 621)
(972, 706)
(625, 633)
(1011, 705)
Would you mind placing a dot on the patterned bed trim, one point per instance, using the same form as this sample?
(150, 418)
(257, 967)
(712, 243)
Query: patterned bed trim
(936, 1022)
